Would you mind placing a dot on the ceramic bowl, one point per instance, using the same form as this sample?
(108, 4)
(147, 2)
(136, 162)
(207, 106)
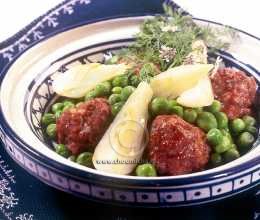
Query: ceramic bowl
(26, 93)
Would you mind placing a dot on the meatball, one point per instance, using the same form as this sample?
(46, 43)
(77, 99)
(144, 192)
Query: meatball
(177, 147)
(81, 127)
(235, 90)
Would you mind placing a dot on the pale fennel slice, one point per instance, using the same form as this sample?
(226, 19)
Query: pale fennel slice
(79, 80)
(199, 96)
(175, 81)
(121, 147)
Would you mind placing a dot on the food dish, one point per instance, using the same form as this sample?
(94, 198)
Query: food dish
(66, 175)
(152, 103)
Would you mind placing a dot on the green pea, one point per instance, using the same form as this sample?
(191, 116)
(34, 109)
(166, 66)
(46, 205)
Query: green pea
(237, 125)
(121, 81)
(58, 114)
(134, 80)
(72, 158)
(159, 106)
(126, 92)
(62, 150)
(51, 130)
(91, 95)
(214, 107)
(172, 103)
(57, 107)
(177, 110)
(226, 133)
(113, 60)
(85, 159)
(190, 115)
(206, 121)
(114, 98)
(251, 129)
(146, 170)
(216, 159)
(67, 102)
(48, 118)
(68, 106)
(233, 146)
(214, 136)
(103, 89)
(198, 109)
(231, 155)
(117, 90)
(116, 108)
(245, 140)
(222, 119)
(249, 120)
(223, 146)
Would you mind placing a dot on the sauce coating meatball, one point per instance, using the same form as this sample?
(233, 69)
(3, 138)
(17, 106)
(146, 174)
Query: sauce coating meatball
(81, 127)
(177, 147)
(235, 90)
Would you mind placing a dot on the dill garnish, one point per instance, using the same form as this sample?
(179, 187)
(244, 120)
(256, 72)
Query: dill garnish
(166, 40)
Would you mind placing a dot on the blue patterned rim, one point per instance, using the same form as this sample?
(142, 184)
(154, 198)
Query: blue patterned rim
(249, 171)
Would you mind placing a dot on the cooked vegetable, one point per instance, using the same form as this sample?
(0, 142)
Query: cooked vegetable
(222, 120)
(245, 140)
(114, 98)
(216, 159)
(199, 96)
(214, 136)
(223, 146)
(134, 80)
(79, 80)
(90, 95)
(251, 129)
(51, 130)
(120, 81)
(124, 138)
(103, 89)
(238, 125)
(231, 155)
(126, 92)
(177, 110)
(67, 105)
(57, 107)
(190, 115)
(175, 81)
(116, 108)
(206, 121)
(58, 114)
(249, 120)
(145, 170)
(214, 107)
(48, 118)
(62, 150)
(159, 106)
(85, 159)
(117, 90)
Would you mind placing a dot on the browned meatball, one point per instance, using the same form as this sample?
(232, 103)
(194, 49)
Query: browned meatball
(177, 147)
(81, 127)
(235, 90)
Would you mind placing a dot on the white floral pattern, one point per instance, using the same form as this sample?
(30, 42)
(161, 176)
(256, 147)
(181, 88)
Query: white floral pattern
(24, 216)
(36, 32)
